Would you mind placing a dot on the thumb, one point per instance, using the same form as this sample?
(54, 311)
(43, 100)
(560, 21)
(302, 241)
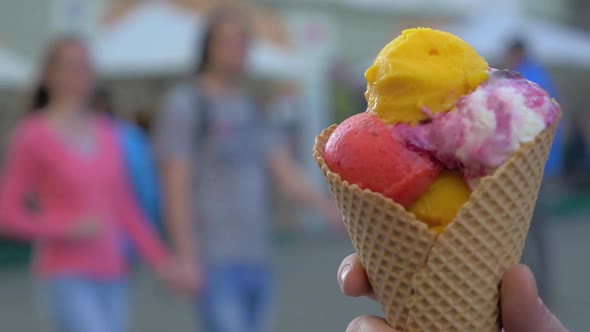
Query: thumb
(522, 309)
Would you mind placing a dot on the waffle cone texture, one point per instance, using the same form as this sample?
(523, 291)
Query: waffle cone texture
(430, 283)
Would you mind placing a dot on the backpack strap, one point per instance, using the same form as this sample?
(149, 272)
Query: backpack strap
(202, 116)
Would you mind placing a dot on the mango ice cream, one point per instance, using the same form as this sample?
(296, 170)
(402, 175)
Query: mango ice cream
(422, 68)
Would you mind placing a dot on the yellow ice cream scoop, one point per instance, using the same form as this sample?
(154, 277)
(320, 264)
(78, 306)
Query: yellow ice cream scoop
(440, 204)
(422, 68)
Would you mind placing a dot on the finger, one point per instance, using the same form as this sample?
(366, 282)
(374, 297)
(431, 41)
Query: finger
(522, 309)
(369, 324)
(353, 279)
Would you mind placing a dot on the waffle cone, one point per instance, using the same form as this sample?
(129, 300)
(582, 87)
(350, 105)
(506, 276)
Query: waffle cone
(430, 283)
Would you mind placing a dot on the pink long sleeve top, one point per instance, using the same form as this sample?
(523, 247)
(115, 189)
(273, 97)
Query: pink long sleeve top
(70, 187)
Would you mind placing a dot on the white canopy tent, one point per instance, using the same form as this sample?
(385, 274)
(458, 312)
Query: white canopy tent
(423, 6)
(158, 38)
(15, 71)
(550, 42)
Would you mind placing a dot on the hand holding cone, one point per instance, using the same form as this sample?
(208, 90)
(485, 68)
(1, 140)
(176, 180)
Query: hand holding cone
(522, 309)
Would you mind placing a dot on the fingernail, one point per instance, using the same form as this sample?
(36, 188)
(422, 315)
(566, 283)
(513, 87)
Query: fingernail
(343, 272)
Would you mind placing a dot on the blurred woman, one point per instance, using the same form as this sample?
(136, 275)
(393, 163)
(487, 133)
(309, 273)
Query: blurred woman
(69, 159)
(215, 145)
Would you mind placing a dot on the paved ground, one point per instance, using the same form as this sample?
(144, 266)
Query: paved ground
(308, 297)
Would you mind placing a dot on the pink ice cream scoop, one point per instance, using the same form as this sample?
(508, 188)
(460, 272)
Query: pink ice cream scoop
(486, 126)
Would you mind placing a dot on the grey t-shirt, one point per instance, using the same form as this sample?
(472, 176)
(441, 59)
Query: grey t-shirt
(231, 181)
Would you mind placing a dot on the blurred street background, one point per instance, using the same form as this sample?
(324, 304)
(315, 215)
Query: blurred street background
(306, 66)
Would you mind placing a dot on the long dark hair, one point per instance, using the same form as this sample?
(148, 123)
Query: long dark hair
(40, 96)
(218, 18)
(102, 101)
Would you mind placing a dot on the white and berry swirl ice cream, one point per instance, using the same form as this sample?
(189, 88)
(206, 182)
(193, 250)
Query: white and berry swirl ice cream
(486, 126)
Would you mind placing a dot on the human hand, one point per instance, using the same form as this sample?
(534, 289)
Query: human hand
(182, 275)
(85, 229)
(522, 309)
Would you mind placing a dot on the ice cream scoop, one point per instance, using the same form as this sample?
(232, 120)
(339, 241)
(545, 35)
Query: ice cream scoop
(439, 204)
(422, 68)
(367, 152)
(487, 126)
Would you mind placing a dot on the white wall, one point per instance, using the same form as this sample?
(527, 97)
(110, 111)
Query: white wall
(79, 16)
(26, 25)
(555, 9)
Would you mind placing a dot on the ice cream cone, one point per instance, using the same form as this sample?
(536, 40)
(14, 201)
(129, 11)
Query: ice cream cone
(426, 283)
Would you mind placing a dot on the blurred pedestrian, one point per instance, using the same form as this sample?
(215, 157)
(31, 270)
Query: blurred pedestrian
(217, 155)
(577, 154)
(536, 253)
(69, 158)
(139, 161)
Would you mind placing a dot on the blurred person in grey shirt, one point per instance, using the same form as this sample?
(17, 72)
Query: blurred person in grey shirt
(218, 156)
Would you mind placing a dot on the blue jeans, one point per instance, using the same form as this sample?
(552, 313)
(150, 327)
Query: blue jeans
(77, 304)
(236, 298)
